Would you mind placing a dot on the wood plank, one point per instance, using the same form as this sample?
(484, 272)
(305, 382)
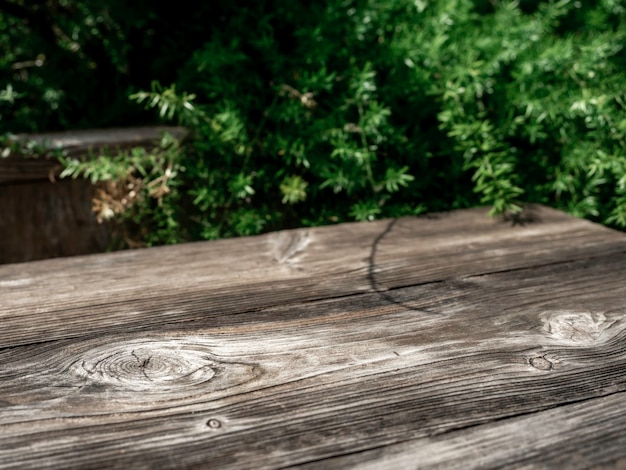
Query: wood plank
(133, 290)
(582, 435)
(304, 382)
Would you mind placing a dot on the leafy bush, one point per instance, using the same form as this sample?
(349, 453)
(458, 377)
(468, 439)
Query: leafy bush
(306, 113)
(131, 188)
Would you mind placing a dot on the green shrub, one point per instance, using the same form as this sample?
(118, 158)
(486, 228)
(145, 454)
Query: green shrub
(307, 113)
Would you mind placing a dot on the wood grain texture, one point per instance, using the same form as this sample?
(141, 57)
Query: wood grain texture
(183, 283)
(583, 435)
(305, 348)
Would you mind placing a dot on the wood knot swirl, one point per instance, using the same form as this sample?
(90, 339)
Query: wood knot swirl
(576, 327)
(287, 246)
(541, 363)
(156, 366)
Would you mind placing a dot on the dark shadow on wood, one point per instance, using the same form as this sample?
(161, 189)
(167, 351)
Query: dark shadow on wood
(371, 275)
(529, 215)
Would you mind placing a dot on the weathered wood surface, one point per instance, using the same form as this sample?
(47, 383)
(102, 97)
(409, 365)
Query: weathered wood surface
(455, 341)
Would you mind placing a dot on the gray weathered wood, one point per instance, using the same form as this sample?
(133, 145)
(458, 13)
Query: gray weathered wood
(117, 291)
(575, 436)
(449, 342)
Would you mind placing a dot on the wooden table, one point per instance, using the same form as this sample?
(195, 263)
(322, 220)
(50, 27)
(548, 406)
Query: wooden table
(449, 341)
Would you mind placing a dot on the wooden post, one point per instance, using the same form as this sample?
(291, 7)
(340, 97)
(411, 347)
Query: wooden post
(43, 217)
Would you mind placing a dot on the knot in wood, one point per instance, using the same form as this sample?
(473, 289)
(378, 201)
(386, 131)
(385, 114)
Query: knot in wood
(541, 363)
(153, 366)
(289, 245)
(576, 327)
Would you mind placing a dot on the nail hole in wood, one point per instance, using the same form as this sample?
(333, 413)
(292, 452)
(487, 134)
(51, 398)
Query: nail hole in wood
(214, 423)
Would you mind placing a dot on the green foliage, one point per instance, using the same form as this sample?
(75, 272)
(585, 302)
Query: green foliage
(305, 113)
(293, 189)
(8, 94)
(170, 106)
(139, 189)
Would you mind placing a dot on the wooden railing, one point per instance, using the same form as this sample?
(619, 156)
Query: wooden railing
(80, 143)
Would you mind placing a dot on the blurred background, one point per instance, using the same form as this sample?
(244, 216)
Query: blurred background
(305, 113)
